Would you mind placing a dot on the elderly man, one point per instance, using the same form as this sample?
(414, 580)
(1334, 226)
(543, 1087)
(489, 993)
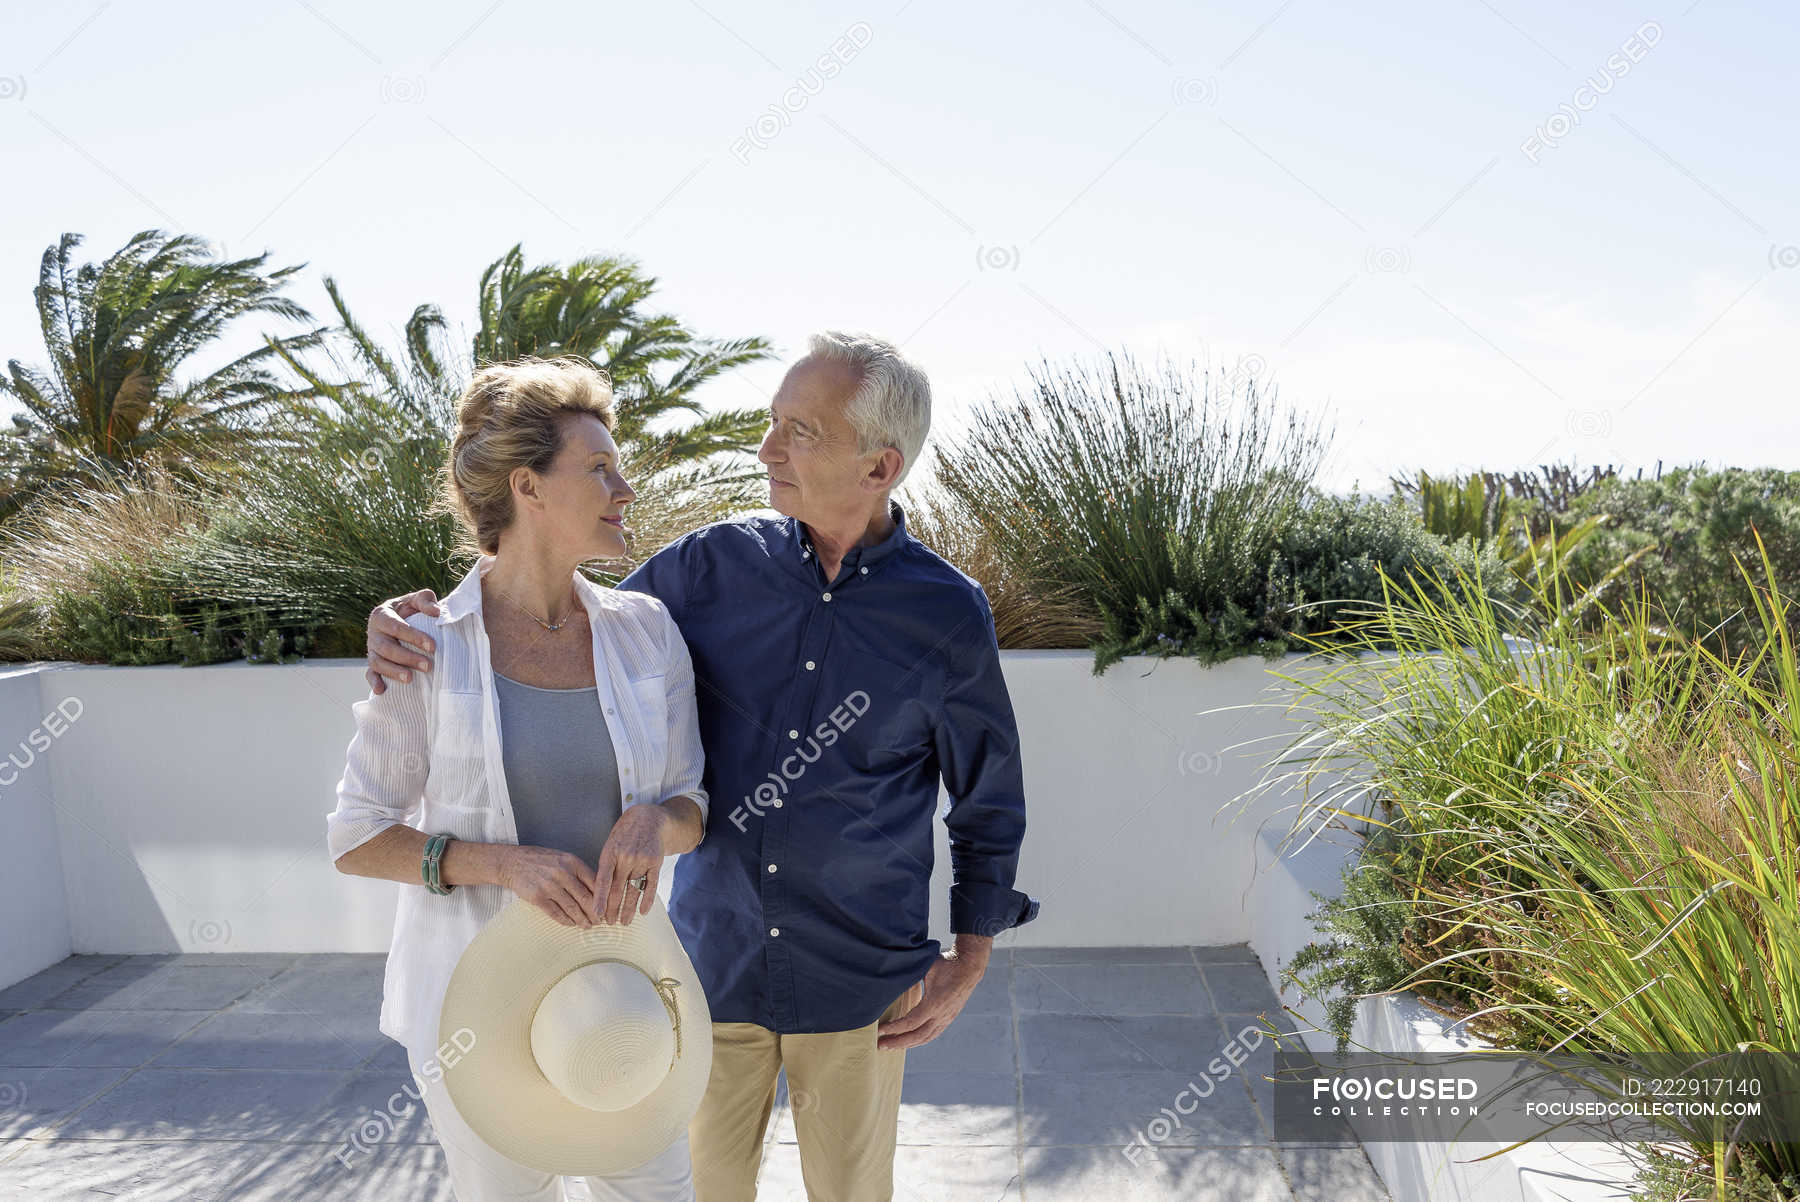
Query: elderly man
(843, 669)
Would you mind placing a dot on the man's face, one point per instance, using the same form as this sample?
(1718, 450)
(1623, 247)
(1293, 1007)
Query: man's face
(810, 447)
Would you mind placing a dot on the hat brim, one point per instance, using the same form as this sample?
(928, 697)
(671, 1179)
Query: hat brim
(497, 1086)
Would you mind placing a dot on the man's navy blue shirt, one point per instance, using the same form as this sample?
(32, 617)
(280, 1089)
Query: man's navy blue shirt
(829, 711)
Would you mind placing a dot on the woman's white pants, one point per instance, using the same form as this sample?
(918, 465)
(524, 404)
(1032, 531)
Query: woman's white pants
(479, 1173)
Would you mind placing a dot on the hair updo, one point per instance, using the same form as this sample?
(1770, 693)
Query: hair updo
(511, 416)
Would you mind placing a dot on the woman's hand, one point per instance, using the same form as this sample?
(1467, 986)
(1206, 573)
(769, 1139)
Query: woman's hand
(634, 847)
(557, 882)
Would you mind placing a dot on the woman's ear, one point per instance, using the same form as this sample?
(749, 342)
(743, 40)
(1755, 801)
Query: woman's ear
(524, 486)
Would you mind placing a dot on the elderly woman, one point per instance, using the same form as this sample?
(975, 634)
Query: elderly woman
(556, 745)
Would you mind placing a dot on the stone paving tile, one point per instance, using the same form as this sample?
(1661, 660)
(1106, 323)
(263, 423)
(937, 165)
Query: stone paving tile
(1102, 955)
(1333, 1175)
(1163, 1175)
(981, 1173)
(129, 986)
(414, 1172)
(1086, 1043)
(177, 1170)
(1124, 1108)
(34, 1100)
(172, 1103)
(255, 1039)
(1241, 989)
(974, 1043)
(35, 989)
(88, 1038)
(950, 1109)
(1110, 989)
(340, 984)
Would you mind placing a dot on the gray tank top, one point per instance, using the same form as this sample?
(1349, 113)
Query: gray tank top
(560, 769)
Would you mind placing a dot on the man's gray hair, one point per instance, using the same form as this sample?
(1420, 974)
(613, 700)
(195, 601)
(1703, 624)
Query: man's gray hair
(892, 403)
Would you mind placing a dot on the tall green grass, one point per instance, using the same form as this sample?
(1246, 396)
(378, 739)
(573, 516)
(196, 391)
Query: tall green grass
(1587, 839)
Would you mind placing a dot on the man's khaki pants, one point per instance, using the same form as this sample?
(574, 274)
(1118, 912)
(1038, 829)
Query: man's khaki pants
(845, 1096)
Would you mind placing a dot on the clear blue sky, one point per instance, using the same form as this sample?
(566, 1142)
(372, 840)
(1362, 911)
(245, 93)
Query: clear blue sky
(1336, 197)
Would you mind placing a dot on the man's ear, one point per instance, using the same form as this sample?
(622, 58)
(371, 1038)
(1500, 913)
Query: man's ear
(885, 470)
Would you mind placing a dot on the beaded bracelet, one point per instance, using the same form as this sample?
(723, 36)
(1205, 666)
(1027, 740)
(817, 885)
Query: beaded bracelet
(429, 867)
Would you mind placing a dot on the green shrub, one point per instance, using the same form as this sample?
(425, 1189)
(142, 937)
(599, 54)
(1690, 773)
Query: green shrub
(1136, 489)
(1695, 524)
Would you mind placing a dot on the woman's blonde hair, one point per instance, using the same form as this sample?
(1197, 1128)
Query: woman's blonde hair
(511, 416)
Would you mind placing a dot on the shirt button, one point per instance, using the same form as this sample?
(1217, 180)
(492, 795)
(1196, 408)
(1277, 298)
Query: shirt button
(864, 571)
(771, 868)
(775, 930)
(609, 709)
(776, 803)
(827, 596)
(809, 665)
(793, 734)
(627, 797)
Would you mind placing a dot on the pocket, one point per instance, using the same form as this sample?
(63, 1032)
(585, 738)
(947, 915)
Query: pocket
(459, 726)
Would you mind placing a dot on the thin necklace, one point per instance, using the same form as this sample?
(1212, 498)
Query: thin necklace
(541, 621)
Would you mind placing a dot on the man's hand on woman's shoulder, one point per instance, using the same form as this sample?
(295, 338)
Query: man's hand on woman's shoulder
(396, 648)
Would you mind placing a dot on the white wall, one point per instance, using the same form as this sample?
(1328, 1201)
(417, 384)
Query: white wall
(32, 894)
(1541, 1171)
(189, 807)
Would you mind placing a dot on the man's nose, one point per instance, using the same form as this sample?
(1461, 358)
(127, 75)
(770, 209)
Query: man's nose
(766, 453)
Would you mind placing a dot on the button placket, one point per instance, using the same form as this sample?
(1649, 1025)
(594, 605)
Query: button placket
(814, 639)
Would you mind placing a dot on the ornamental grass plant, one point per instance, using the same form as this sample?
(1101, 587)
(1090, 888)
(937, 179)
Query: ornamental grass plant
(1581, 837)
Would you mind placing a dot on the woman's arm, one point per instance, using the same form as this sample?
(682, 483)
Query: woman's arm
(557, 882)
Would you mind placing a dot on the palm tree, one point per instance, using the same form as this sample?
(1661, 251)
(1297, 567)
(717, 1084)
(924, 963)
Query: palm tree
(594, 308)
(117, 335)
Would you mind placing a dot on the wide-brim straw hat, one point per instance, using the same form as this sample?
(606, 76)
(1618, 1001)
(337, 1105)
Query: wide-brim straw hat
(588, 1048)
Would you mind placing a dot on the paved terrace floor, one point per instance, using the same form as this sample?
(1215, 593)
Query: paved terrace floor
(201, 1077)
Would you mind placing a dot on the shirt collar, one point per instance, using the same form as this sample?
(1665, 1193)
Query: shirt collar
(465, 598)
(858, 556)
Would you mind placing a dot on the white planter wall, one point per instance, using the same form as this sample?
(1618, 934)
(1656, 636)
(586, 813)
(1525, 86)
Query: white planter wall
(33, 896)
(1536, 1172)
(185, 809)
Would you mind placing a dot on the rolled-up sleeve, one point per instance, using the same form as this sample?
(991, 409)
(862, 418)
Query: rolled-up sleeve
(978, 754)
(386, 764)
(686, 763)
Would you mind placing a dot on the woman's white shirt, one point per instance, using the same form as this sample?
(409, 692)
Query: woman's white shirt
(426, 753)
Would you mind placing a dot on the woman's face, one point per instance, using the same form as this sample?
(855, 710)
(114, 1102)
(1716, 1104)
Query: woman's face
(582, 497)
